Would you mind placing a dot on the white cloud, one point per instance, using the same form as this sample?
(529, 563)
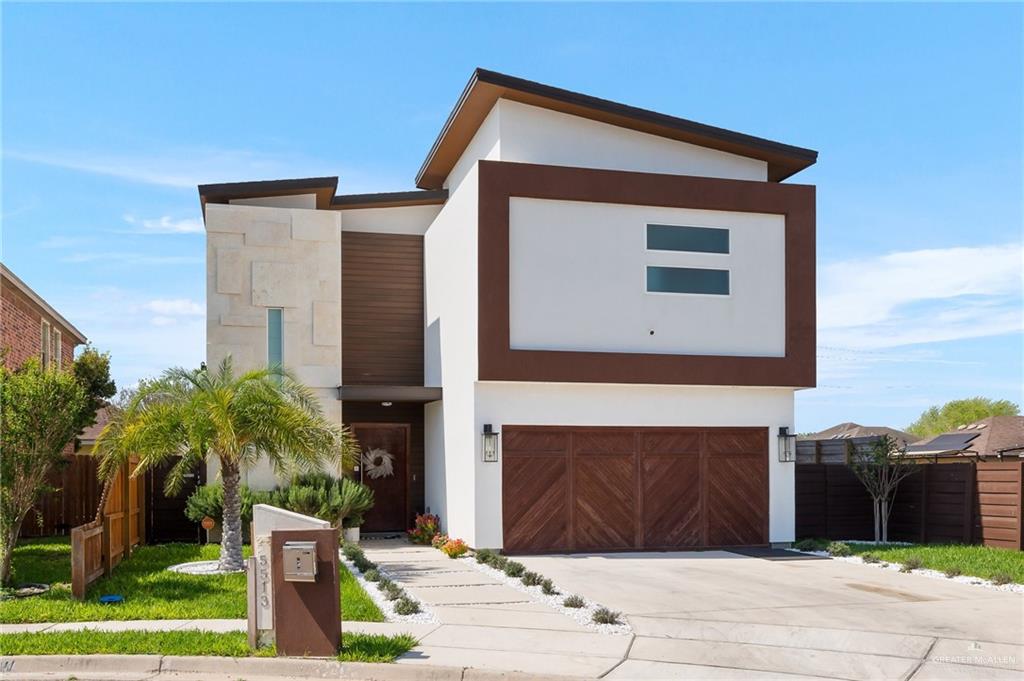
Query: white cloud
(924, 296)
(175, 307)
(165, 224)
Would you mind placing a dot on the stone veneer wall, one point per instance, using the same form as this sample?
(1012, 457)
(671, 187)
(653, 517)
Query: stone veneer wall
(259, 258)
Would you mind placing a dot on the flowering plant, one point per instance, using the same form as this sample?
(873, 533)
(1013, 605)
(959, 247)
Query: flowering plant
(453, 548)
(427, 526)
(439, 540)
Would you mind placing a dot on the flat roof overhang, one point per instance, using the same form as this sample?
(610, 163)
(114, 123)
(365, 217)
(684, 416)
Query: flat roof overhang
(388, 393)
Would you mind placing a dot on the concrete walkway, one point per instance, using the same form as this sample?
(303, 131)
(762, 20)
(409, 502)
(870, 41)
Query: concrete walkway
(487, 625)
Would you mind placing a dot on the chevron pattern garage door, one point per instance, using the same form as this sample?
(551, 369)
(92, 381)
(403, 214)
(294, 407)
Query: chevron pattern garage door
(614, 489)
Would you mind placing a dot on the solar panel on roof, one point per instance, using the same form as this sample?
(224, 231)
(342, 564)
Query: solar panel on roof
(948, 442)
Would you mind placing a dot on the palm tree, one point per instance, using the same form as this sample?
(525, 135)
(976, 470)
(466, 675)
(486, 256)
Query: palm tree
(190, 416)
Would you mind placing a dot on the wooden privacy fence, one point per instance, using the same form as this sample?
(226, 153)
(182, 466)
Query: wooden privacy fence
(99, 546)
(74, 502)
(971, 502)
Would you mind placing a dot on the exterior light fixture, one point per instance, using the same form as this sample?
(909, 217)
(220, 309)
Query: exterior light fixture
(489, 451)
(787, 445)
(385, 404)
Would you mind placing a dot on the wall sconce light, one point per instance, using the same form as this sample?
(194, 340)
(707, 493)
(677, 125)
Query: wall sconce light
(385, 404)
(489, 451)
(787, 445)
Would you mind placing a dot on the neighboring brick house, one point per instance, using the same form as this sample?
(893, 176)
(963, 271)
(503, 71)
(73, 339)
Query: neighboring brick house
(30, 327)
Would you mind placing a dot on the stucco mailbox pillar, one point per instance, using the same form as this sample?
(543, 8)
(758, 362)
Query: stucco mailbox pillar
(293, 590)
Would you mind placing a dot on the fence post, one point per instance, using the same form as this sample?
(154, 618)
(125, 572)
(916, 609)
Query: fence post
(77, 563)
(126, 507)
(924, 501)
(969, 478)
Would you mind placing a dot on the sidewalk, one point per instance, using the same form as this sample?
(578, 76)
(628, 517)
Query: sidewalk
(218, 626)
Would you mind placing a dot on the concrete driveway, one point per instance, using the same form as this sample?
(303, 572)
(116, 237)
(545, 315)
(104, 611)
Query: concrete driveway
(720, 615)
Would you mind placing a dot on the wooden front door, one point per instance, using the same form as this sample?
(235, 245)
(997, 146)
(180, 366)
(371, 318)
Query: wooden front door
(384, 467)
(615, 488)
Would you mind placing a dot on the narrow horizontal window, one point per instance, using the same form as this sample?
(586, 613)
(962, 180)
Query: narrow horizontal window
(687, 280)
(694, 239)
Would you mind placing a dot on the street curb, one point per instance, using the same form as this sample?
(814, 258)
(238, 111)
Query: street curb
(18, 667)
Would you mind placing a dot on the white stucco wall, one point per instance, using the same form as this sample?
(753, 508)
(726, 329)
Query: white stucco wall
(530, 134)
(392, 220)
(629, 405)
(258, 258)
(578, 281)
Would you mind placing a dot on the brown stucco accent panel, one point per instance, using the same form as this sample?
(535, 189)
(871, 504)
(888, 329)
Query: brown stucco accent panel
(499, 181)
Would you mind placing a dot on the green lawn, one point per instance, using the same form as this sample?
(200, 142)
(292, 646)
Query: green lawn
(150, 591)
(975, 561)
(355, 647)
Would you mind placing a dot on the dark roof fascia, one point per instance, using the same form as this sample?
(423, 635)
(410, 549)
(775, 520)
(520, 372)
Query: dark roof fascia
(323, 187)
(389, 393)
(416, 197)
(802, 157)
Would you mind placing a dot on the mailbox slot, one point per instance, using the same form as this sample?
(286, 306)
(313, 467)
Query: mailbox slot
(299, 558)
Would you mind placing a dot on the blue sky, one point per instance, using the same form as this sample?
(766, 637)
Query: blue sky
(113, 113)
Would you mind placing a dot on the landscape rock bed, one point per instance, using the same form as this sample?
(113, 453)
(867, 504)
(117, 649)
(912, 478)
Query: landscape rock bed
(202, 567)
(582, 616)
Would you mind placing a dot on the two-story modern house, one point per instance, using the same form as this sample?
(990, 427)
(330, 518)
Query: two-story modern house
(584, 331)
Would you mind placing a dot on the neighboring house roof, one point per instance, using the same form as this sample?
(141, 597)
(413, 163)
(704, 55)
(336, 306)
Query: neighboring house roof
(487, 87)
(10, 278)
(988, 437)
(89, 435)
(322, 187)
(848, 430)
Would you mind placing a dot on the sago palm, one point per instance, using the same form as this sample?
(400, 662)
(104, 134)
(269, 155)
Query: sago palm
(190, 416)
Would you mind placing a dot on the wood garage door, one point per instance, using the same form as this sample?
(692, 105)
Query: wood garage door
(613, 489)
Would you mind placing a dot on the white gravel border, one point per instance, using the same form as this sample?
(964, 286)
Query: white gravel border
(581, 615)
(202, 567)
(424, 616)
(924, 572)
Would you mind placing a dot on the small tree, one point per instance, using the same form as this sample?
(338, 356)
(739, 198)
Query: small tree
(880, 468)
(92, 370)
(40, 409)
(189, 416)
(935, 420)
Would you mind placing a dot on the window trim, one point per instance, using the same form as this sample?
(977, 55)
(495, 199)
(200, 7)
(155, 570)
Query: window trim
(57, 348)
(648, 292)
(647, 249)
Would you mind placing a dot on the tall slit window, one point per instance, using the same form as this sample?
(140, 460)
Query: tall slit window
(44, 344)
(689, 239)
(58, 346)
(274, 337)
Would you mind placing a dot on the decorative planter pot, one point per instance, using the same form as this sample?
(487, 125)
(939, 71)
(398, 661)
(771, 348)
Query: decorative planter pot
(351, 534)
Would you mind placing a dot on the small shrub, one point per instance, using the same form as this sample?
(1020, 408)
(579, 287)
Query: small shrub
(605, 616)
(384, 583)
(351, 551)
(952, 572)
(439, 540)
(1001, 578)
(484, 556)
(514, 569)
(573, 602)
(364, 564)
(531, 578)
(371, 575)
(912, 563)
(406, 606)
(870, 558)
(807, 545)
(498, 562)
(427, 525)
(393, 592)
(838, 549)
(548, 587)
(453, 548)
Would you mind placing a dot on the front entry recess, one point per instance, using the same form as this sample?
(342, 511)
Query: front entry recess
(621, 488)
(384, 464)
